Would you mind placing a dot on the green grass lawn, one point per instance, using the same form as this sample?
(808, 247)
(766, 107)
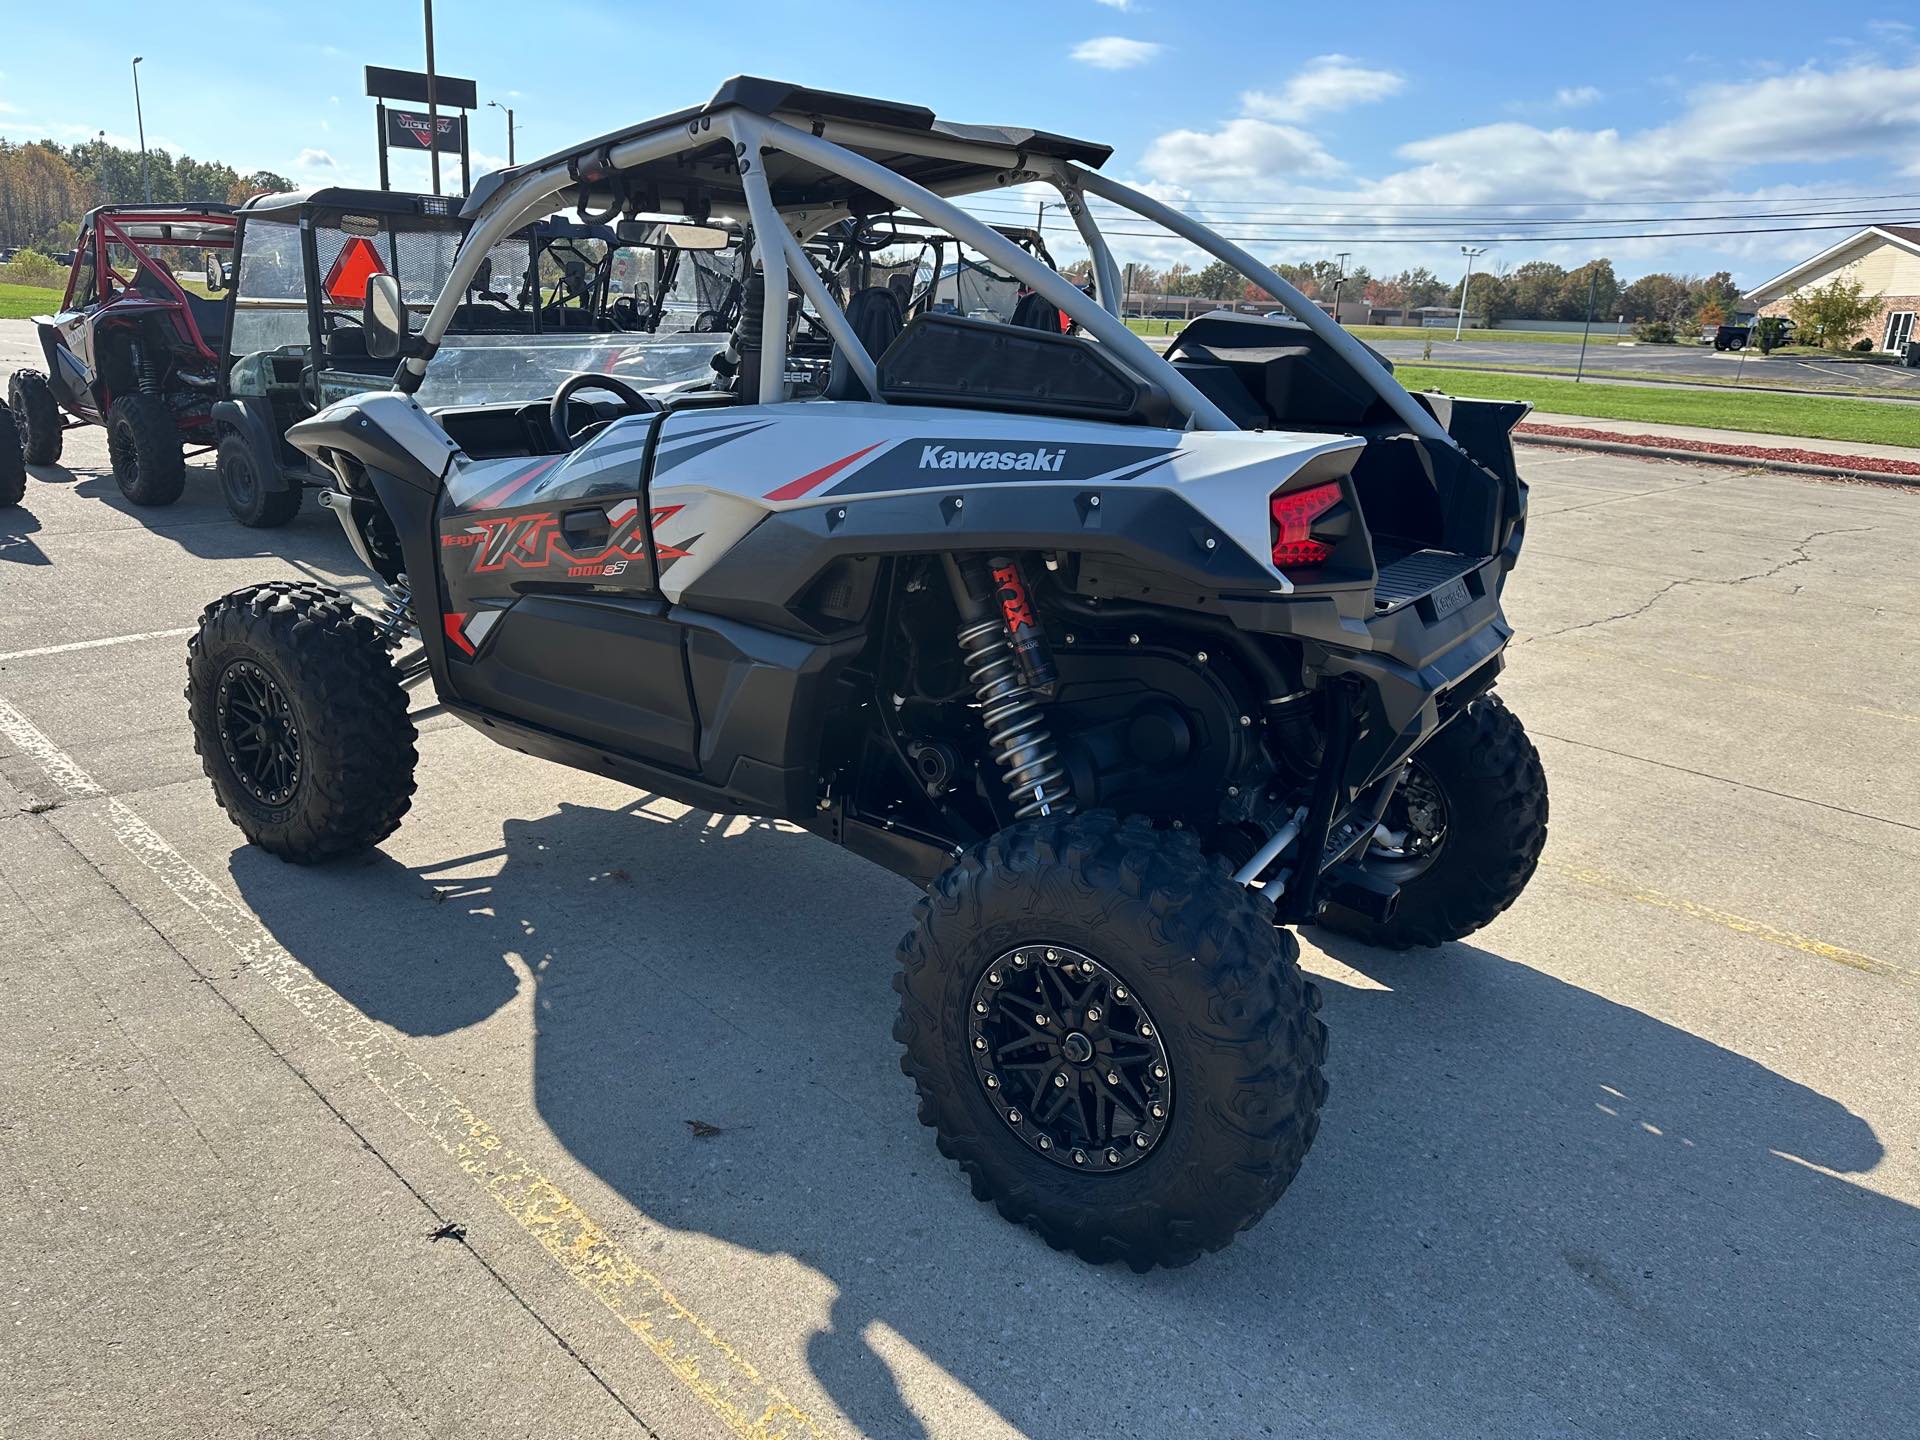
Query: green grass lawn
(1768, 414)
(18, 302)
(1755, 378)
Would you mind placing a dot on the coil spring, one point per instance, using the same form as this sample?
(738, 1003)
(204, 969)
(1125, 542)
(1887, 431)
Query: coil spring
(390, 626)
(1016, 730)
(149, 372)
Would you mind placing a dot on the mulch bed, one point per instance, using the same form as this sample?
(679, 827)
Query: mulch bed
(1877, 463)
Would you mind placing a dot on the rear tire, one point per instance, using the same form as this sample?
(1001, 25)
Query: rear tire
(245, 491)
(13, 465)
(144, 447)
(37, 414)
(1494, 793)
(300, 721)
(1195, 952)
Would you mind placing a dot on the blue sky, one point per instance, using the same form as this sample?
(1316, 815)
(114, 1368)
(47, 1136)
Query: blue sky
(1232, 107)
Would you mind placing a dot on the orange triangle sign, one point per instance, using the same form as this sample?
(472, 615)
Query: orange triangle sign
(346, 282)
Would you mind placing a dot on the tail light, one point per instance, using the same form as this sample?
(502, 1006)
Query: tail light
(1294, 512)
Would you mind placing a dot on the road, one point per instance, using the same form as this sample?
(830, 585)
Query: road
(407, 1146)
(1682, 362)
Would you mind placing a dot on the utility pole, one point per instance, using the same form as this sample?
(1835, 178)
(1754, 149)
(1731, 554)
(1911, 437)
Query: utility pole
(1040, 220)
(1339, 282)
(146, 176)
(433, 103)
(509, 109)
(1593, 279)
(1470, 251)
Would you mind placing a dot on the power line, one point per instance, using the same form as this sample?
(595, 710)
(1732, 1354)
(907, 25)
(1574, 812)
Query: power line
(1491, 206)
(1342, 219)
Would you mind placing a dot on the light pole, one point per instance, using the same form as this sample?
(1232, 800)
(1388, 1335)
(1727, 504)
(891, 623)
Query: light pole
(146, 177)
(509, 109)
(1339, 282)
(433, 103)
(1470, 251)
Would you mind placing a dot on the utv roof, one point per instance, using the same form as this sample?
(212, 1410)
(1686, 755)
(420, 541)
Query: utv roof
(908, 139)
(327, 203)
(169, 224)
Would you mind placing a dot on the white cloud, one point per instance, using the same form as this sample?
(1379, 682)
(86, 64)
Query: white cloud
(311, 159)
(1116, 4)
(1574, 97)
(1239, 151)
(1328, 82)
(6, 109)
(1115, 52)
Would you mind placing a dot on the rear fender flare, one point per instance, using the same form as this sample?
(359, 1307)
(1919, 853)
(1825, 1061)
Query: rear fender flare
(238, 417)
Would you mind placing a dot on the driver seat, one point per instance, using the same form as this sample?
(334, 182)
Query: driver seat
(874, 316)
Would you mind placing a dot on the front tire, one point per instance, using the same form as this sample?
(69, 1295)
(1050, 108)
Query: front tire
(1477, 823)
(245, 490)
(144, 447)
(37, 414)
(300, 721)
(13, 465)
(1111, 923)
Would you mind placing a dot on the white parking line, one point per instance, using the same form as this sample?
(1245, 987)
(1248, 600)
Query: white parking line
(710, 1366)
(96, 644)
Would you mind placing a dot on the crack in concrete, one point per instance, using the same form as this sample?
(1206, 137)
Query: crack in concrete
(1800, 556)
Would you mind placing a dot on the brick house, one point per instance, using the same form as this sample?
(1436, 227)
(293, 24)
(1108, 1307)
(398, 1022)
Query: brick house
(1885, 259)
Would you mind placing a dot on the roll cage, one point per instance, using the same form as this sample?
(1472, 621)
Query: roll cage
(792, 162)
(139, 230)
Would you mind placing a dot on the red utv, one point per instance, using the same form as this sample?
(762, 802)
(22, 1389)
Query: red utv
(133, 348)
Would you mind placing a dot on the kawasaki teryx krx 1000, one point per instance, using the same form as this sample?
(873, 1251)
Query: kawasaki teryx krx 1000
(1132, 661)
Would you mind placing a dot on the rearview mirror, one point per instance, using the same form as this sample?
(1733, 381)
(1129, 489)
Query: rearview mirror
(383, 316)
(673, 237)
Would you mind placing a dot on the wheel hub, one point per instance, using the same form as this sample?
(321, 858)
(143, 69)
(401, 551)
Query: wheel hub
(258, 734)
(1070, 1058)
(1414, 828)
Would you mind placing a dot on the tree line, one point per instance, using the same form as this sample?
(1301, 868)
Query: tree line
(1537, 290)
(46, 187)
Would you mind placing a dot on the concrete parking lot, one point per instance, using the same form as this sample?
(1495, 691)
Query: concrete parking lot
(576, 1113)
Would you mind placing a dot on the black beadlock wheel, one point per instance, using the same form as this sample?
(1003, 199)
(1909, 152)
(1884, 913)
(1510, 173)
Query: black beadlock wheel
(13, 465)
(300, 720)
(37, 414)
(1465, 831)
(245, 490)
(1111, 1038)
(144, 447)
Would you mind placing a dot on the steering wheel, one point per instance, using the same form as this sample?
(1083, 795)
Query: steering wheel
(636, 403)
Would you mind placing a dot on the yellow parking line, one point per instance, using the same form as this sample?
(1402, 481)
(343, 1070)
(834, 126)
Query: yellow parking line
(1740, 924)
(709, 1365)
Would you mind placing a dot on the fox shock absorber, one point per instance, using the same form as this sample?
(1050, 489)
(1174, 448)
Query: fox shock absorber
(1011, 672)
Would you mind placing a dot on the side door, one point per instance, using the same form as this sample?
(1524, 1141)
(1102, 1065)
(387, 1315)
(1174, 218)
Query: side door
(551, 605)
(72, 368)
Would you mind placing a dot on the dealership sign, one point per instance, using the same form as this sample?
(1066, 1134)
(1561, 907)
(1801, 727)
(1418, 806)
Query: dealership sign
(414, 130)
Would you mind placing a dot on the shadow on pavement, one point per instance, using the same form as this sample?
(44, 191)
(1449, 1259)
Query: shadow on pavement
(17, 527)
(1530, 1211)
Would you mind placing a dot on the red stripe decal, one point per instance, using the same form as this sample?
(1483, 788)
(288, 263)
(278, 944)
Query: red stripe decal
(498, 495)
(794, 489)
(453, 622)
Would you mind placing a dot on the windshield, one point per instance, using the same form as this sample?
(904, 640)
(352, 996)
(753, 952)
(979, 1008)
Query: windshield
(507, 369)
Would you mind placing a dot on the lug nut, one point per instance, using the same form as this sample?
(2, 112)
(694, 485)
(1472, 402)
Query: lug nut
(993, 1082)
(979, 1007)
(1147, 1031)
(993, 977)
(1159, 1111)
(1079, 1157)
(1113, 1078)
(979, 1044)
(1013, 1117)
(1051, 957)
(1045, 1143)
(1059, 1082)
(1113, 1157)
(1093, 1013)
(1119, 992)
(1139, 1140)
(1159, 1072)
(1039, 1019)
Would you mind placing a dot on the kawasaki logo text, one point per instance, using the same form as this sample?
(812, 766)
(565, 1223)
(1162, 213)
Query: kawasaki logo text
(939, 457)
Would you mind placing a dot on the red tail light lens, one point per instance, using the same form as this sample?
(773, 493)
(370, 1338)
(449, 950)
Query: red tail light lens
(1293, 515)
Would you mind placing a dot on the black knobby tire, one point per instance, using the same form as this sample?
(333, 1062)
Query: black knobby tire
(1203, 957)
(1495, 793)
(245, 490)
(37, 414)
(321, 660)
(13, 465)
(144, 447)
